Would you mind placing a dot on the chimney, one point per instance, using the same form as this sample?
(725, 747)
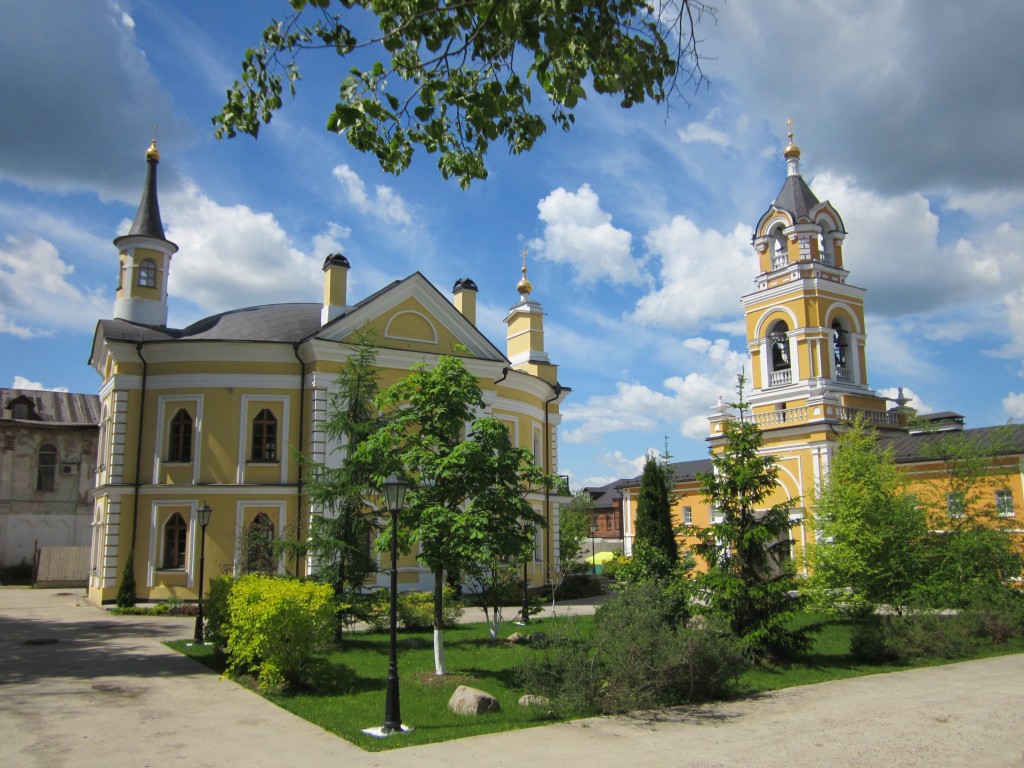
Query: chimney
(336, 269)
(464, 294)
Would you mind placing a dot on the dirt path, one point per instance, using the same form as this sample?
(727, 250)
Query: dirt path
(79, 687)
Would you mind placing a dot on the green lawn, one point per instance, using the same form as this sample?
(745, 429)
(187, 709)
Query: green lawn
(347, 691)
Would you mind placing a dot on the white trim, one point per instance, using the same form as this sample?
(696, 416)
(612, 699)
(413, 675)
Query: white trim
(240, 524)
(245, 432)
(394, 317)
(156, 537)
(197, 432)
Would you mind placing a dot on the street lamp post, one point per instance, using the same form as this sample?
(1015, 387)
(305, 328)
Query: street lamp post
(593, 533)
(203, 518)
(394, 493)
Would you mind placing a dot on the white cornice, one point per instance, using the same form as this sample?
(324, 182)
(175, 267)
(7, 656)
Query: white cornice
(803, 286)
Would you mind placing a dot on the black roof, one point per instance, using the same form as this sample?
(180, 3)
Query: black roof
(796, 198)
(269, 322)
(147, 219)
(681, 472)
(1006, 440)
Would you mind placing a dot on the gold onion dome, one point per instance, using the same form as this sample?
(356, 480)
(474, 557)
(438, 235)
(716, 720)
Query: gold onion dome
(153, 153)
(524, 286)
(792, 150)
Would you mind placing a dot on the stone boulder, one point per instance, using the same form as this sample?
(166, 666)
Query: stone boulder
(470, 701)
(532, 700)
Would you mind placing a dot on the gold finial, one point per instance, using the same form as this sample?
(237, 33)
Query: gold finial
(153, 153)
(792, 150)
(524, 286)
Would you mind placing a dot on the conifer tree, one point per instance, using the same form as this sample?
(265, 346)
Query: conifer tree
(749, 579)
(654, 527)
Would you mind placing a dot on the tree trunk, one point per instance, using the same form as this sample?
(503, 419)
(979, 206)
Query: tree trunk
(439, 665)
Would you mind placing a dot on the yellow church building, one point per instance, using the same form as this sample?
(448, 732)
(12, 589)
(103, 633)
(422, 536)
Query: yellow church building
(807, 378)
(213, 413)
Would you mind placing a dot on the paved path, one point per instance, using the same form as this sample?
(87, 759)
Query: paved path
(79, 687)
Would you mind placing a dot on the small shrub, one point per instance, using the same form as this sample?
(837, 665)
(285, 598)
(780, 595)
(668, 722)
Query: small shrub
(637, 657)
(996, 614)
(415, 610)
(910, 638)
(126, 596)
(613, 568)
(276, 628)
(20, 574)
(215, 612)
(578, 585)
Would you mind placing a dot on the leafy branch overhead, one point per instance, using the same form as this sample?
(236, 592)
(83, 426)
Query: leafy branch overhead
(454, 77)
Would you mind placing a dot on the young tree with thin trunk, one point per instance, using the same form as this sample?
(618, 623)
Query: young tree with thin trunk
(870, 530)
(467, 504)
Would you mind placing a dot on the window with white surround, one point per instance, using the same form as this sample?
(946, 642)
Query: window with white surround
(687, 516)
(716, 515)
(175, 542)
(1004, 502)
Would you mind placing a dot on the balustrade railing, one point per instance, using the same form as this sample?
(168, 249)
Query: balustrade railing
(780, 378)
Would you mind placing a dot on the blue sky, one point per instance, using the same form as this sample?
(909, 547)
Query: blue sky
(638, 222)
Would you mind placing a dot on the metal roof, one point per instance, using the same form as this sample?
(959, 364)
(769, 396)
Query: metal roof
(796, 198)
(52, 408)
(1003, 440)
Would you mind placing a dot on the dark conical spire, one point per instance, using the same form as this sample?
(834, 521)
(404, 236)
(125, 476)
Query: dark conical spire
(147, 220)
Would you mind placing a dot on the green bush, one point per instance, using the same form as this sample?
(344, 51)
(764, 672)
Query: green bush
(20, 574)
(126, 596)
(276, 628)
(578, 585)
(995, 613)
(612, 568)
(911, 637)
(415, 610)
(215, 611)
(637, 657)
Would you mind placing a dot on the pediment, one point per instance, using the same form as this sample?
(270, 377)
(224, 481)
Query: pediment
(412, 314)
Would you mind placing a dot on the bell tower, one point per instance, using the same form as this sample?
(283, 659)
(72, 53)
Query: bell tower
(145, 258)
(804, 322)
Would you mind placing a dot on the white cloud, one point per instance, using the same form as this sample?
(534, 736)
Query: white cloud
(698, 275)
(384, 204)
(37, 291)
(20, 382)
(1013, 405)
(682, 407)
(577, 232)
(704, 132)
(233, 256)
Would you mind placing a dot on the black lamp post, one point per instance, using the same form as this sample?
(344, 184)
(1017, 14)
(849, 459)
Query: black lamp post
(593, 533)
(203, 518)
(526, 592)
(394, 493)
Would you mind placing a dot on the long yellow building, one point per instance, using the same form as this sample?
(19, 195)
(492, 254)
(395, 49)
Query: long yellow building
(808, 377)
(214, 413)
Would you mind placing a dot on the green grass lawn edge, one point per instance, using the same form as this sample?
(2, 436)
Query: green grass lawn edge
(346, 689)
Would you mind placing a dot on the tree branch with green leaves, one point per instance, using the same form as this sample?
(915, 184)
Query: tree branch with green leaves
(452, 78)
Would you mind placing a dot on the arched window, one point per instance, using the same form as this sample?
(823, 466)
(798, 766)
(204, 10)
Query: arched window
(779, 341)
(46, 478)
(258, 553)
(180, 446)
(840, 341)
(264, 436)
(780, 256)
(147, 273)
(175, 540)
